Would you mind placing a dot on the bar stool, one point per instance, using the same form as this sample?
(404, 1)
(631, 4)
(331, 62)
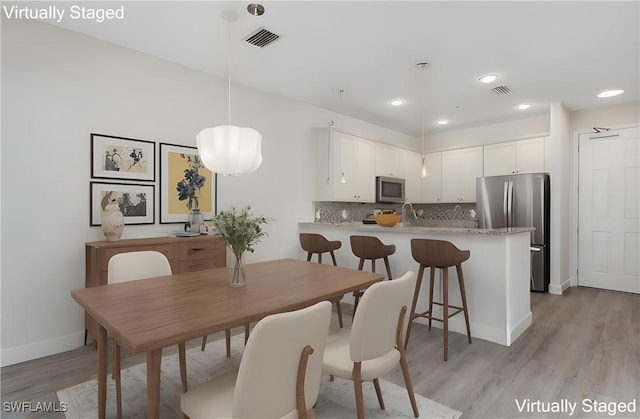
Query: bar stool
(442, 255)
(318, 244)
(370, 248)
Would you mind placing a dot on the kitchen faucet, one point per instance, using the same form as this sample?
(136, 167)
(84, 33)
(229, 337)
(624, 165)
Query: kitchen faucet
(415, 216)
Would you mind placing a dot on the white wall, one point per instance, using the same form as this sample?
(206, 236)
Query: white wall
(488, 134)
(58, 87)
(560, 176)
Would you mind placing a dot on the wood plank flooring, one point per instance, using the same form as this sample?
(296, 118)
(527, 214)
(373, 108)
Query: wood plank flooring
(583, 345)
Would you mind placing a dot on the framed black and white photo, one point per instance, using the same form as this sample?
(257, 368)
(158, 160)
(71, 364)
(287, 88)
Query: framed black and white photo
(122, 158)
(135, 201)
(185, 184)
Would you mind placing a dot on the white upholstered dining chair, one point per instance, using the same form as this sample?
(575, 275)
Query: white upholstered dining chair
(279, 374)
(131, 266)
(374, 346)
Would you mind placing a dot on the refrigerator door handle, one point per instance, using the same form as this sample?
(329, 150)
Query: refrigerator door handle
(505, 203)
(510, 205)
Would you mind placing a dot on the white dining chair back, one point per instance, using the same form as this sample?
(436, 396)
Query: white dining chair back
(374, 346)
(272, 371)
(266, 384)
(137, 265)
(374, 329)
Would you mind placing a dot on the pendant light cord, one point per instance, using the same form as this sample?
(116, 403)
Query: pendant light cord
(423, 138)
(229, 75)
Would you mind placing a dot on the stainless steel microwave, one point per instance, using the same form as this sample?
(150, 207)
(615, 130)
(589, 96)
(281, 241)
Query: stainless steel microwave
(389, 190)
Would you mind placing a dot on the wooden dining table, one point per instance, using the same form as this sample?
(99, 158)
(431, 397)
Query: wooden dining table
(149, 314)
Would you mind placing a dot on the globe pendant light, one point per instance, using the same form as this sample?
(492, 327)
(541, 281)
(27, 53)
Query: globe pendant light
(227, 149)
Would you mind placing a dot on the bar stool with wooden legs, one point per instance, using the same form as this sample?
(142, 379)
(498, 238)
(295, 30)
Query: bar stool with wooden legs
(441, 255)
(370, 248)
(318, 244)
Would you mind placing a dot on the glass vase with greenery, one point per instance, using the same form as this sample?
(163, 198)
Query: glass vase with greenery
(241, 230)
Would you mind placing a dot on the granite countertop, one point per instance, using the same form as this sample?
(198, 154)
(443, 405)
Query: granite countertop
(399, 228)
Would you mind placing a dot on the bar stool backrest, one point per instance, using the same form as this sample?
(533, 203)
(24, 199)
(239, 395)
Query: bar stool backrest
(317, 243)
(437, 253)
(369, 247)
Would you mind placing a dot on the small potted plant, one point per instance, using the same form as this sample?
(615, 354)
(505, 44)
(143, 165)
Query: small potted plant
(241, 230)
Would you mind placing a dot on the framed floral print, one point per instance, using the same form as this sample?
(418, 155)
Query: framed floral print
(135, 201)
(122, 158)
(185, 184)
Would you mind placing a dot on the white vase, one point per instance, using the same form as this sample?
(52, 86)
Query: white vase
(112, 222)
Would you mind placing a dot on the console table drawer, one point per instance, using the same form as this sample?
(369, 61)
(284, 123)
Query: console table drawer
(200, 250)
(197, 264)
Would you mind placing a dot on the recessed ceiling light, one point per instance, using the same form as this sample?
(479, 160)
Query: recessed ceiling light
(442, 122)
(488, 78)
(523, 106)
(611, 93)
(397, 102)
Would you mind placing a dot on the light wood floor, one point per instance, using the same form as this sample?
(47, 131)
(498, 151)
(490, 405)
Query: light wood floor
(584, 344)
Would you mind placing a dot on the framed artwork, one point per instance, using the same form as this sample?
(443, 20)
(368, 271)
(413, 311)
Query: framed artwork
(122, 158)
(135, 202)
(185, 184)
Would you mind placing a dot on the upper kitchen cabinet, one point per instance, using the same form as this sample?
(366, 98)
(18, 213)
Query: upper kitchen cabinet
(460, 168)
(387, 160)
(522, 156)
(344, 168)
(431, 185)
(411, 164)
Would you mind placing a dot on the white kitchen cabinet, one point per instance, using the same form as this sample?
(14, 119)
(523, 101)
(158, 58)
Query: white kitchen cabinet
(431, 186)
(522, 156)
(460, 168)
(411, 164)
(500, 159)
(344, 168)
(387, 160)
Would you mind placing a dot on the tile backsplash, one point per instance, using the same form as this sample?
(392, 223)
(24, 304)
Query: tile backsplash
(428, 215)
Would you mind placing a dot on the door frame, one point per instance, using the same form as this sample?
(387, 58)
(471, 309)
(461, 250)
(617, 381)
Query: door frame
(573, 205)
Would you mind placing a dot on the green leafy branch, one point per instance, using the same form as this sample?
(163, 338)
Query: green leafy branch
(240, 229)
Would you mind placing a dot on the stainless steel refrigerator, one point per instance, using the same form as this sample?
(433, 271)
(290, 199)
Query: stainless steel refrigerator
(519, 201)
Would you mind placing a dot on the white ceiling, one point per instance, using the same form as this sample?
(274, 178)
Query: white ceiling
(544, 51)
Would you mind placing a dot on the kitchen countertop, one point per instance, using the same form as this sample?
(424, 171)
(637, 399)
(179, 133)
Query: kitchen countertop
(399, 228)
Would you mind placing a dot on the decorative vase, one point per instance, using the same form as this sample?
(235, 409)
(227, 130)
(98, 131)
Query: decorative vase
(195, 220)
(237, 273)
(112, 221)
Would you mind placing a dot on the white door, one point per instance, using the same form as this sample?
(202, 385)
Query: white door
(609, 211)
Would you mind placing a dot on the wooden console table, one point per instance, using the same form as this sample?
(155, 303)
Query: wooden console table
(185, 254)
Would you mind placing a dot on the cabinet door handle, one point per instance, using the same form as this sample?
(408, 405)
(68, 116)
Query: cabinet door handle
(196, 249)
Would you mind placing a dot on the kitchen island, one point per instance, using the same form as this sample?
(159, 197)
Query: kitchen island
(496, 276)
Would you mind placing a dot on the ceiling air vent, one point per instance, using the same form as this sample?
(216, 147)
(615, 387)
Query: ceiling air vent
(262, 37)
(501, 90)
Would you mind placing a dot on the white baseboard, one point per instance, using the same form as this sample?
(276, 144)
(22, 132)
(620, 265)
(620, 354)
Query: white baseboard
(519, 328)
(22, 353)
(559, 289)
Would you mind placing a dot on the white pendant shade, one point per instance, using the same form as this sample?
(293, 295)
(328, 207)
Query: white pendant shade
(230, 150)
